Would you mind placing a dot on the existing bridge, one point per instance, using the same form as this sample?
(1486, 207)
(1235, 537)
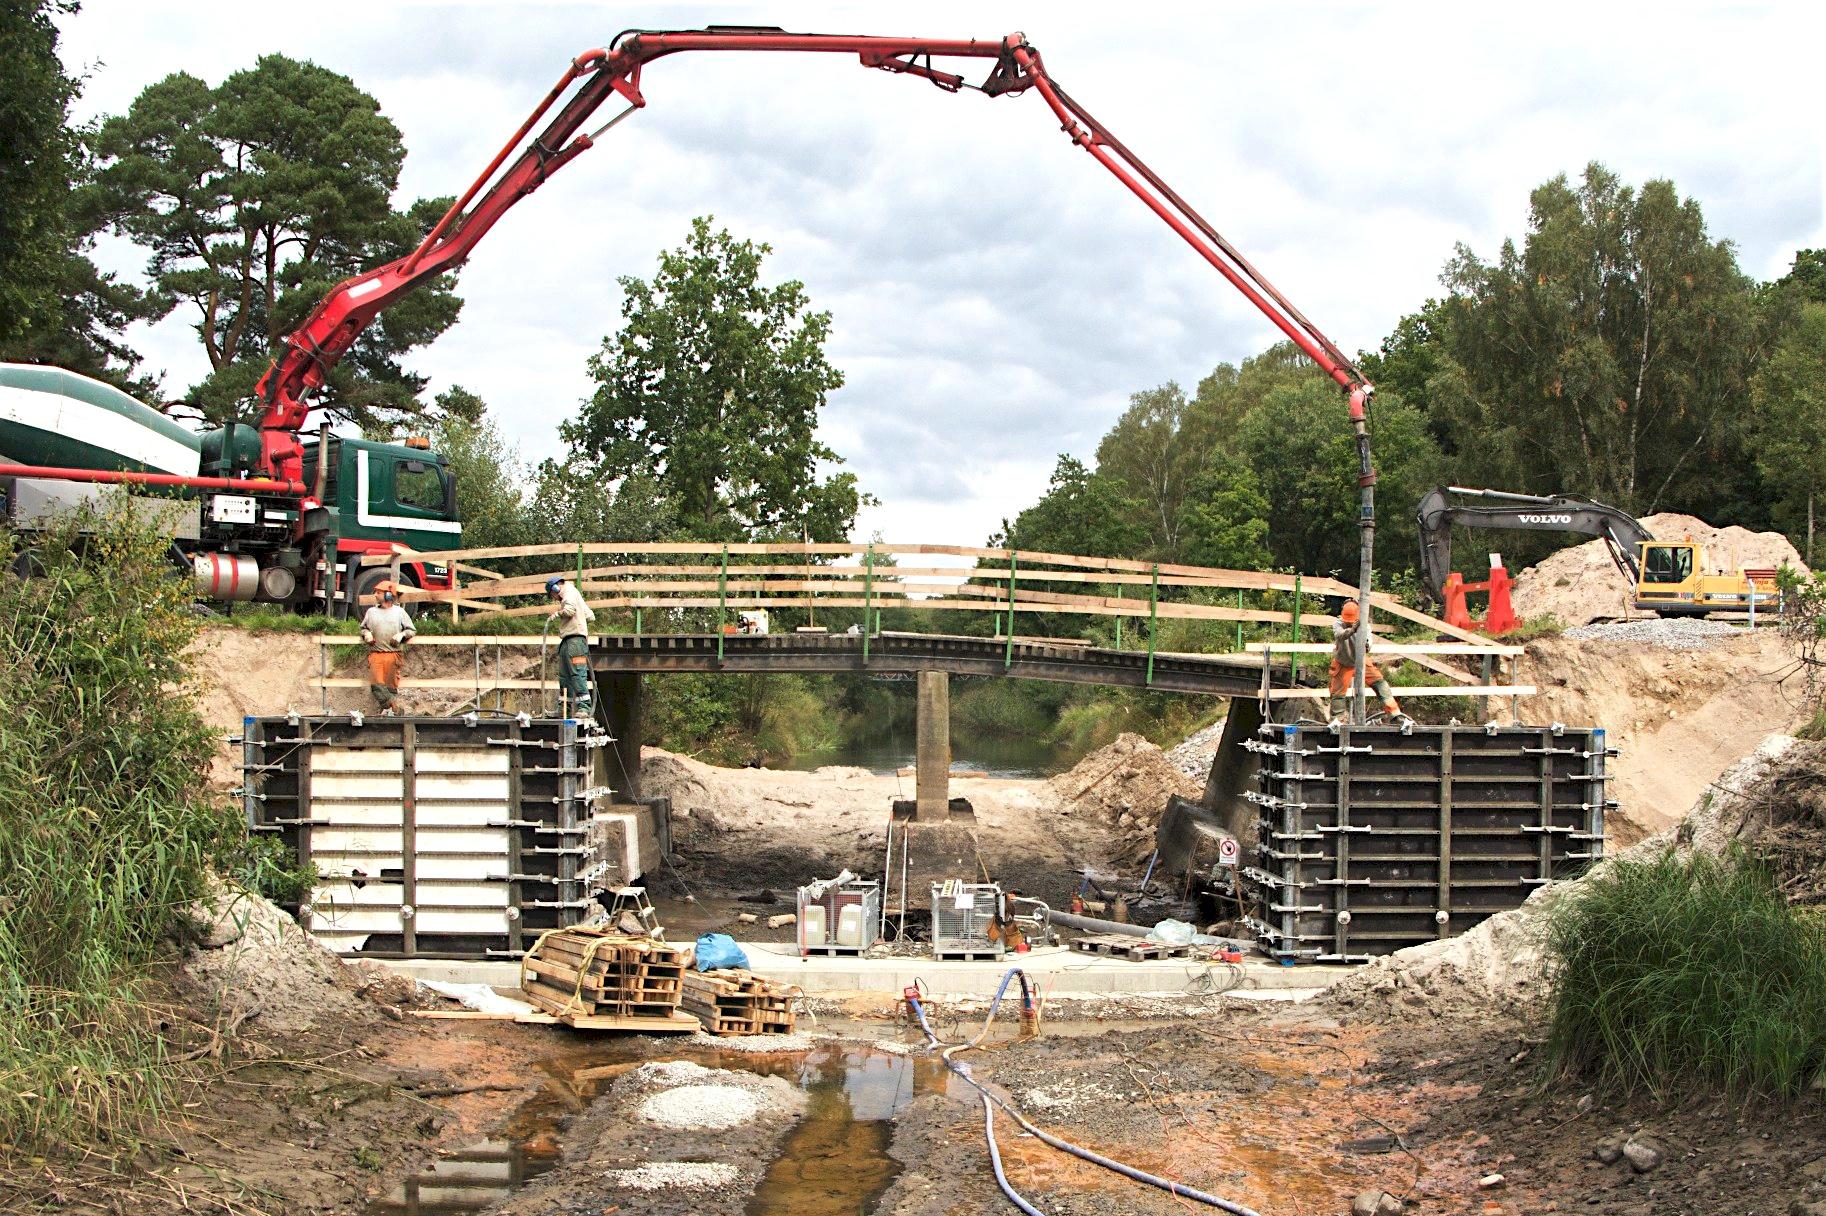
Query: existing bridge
(911, 653)
(842, 592)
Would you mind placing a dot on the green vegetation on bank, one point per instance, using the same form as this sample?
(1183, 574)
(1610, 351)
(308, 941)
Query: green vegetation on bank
(108, 827)
(1688, 969)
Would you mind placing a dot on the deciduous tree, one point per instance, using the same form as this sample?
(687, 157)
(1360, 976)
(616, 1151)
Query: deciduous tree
(1608, 355)
(712, 387)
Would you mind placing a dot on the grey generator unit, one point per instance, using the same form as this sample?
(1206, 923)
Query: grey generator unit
(439, 837)
(963, 914)
(1371, 838)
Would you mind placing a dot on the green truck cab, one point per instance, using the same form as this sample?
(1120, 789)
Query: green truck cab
(58, 430)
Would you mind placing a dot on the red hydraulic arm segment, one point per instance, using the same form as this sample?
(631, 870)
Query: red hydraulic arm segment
(314, 348)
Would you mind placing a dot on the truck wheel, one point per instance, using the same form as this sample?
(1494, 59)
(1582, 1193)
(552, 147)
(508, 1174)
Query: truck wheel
(365, 583)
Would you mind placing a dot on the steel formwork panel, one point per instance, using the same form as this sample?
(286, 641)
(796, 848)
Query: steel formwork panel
(1372, 838)
(432, 836)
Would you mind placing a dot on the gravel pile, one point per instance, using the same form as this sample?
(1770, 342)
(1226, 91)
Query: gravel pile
(1667, 633)
(666, 1175)
(1194, 756)
(674, 1072)
(701, 1107)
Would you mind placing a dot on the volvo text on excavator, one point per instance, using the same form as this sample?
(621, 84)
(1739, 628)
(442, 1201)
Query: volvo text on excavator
(1666, 577)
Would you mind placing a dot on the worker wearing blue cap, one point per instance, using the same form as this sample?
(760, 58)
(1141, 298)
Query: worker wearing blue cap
(573, 617)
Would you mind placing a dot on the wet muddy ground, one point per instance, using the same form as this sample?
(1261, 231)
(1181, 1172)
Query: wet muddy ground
(1283, 1108)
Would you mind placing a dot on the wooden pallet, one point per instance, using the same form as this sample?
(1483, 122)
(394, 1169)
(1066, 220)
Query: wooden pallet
(967, 952)
(596, 979)
(731, 1001)
(855, 951)
(1135, 949)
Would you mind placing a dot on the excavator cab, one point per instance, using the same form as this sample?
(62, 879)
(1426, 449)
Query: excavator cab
(1666, 567)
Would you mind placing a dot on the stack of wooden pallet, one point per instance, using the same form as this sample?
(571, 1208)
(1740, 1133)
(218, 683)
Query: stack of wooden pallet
(596, 979)
(732, 1001)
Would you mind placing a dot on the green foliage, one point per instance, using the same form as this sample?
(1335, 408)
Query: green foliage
(108, 830)
(713, 387)
(1688, 971)
(271, 870)
(41, 156)
(1304, 458)
(55, 306)
(490, 476)
(1081, 512)
(577, 500)
(1607, 356)
(1224, 519)
(1152, 452)
(255, 198)
(1788, 394)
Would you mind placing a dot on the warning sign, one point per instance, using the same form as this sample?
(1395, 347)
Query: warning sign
(1226, 851)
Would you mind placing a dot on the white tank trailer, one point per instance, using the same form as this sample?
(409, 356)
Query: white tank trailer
(65, 437)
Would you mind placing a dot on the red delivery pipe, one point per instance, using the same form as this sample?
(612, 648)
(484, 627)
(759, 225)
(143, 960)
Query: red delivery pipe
(114, 476)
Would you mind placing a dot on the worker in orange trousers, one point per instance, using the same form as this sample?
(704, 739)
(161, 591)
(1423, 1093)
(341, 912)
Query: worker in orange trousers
(1345, 641)
(386, 628)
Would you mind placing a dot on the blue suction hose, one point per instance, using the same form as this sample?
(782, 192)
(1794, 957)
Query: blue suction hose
(995, 1156)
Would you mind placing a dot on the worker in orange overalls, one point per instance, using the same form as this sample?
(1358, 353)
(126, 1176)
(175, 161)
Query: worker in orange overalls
(1345, 640)
(386, 628)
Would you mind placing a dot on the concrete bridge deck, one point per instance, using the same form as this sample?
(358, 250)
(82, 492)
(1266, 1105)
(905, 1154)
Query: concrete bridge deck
(910, 653)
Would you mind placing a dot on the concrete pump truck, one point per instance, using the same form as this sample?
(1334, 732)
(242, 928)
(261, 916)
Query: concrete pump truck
(279, 533)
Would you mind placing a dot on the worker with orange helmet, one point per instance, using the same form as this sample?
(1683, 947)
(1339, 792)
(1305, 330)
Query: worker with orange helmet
(1345, 641)
(386, 628)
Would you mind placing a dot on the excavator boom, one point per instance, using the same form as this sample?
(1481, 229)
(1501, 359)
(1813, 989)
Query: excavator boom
(1621, 531)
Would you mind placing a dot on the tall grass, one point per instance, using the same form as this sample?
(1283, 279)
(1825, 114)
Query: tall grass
(1688, 969)
(107, 828)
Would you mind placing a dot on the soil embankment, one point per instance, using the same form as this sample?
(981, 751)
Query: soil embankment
(1679, 717)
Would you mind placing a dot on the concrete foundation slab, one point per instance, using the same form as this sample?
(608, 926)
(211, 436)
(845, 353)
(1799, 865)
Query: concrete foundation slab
(1060, 971)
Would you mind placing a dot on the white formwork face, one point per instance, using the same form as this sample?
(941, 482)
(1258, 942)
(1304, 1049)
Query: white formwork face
(459, 833)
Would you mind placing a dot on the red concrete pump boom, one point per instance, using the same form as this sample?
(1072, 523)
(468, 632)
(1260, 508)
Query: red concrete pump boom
(311, 351)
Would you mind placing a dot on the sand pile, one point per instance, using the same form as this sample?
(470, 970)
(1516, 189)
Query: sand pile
(1501, 963)
(1126, 785)
(253, 958)
(1581, 584)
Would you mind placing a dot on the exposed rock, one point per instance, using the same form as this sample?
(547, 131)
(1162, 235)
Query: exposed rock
(1490, 1182)
(1375, 1203)
(1608, 1149)
(1641, 1154)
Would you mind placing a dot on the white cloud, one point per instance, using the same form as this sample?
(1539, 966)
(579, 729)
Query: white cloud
(996, 295)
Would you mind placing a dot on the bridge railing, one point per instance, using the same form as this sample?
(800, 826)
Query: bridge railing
(662, 577)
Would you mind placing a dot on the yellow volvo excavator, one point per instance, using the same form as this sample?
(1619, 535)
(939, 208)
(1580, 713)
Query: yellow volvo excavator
(1669, 576)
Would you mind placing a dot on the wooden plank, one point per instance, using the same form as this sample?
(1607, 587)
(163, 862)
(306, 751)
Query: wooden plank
(1023, 603)
(1415, 690)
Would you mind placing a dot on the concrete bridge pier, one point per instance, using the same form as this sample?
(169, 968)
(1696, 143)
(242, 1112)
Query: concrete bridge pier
(932, 749)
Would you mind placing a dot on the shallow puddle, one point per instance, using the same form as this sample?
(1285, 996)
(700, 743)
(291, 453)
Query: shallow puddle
(834, 1162)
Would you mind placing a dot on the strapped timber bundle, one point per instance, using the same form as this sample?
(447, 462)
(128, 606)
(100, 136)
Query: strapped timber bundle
(731, 1001)
(590, 975)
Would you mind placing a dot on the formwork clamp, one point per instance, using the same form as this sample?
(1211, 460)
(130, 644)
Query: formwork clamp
(1269, 800)
(1343, 882)
(1341, 828)
(1343, 750)
(1548, 828)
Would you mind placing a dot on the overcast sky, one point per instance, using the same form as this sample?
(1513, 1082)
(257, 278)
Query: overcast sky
(996, 294)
